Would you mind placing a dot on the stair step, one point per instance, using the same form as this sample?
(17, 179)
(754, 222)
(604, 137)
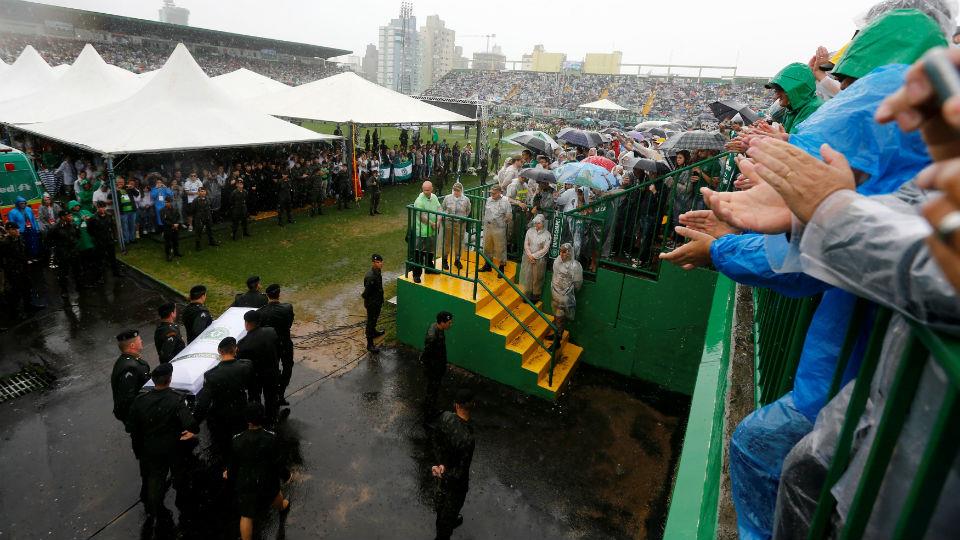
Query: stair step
(529, 316)
(539, 361)
(524, 344)
(567, 361)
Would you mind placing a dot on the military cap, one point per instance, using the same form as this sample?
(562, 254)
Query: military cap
(376, 257)
(444, 316)
(252, 280)
(273, 289)
(464, 396)
(127, 334)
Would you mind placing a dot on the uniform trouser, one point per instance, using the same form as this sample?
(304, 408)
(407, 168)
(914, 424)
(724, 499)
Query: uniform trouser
(237, 221)
(373, 313)
(171, 241)
(128, 224)
(19, 290)
(284, 206)
(88, 265)
(450, 500)
(434, 380)
(425, 254)
(266, 385)
(374, 202)
(157, 472)
(64, 269)
(452, 239)
(344, 198)
(201, 226)
(107, 256)
(286, 366)
(316, 203)
(221, 436)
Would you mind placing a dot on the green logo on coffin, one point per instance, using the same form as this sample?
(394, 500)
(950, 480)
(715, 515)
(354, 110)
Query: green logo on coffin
(215, 333)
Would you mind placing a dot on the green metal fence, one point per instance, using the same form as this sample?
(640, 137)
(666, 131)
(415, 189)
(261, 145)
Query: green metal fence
(780, 326)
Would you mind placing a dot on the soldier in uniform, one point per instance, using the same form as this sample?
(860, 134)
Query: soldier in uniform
(318, 174)
(253, 297)
(225, 394)
(373, 189)
(130, 373)
(344, 187)
(13, 262)
(260, 346)
(202, 218)
(171, 230)
(373, 299)
(196, 317)
(238, 209)
(435, 360)
(103, 229)
(284, 198)
(279, 316)
(158, 422)
(167, 336)
(454, 442)
(63, 238)
(256, 467)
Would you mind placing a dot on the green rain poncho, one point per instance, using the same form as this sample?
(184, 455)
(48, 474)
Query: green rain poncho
(899, 37)
(798, 83)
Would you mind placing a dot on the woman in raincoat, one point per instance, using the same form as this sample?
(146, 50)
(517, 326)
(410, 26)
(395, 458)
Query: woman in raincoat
(567, 279)
(536, 245)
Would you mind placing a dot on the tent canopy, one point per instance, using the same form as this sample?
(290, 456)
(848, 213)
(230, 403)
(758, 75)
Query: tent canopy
(28, 74)
(603, 105)
(244, 84)
(88, 83)
(348, 97)
(177, 109)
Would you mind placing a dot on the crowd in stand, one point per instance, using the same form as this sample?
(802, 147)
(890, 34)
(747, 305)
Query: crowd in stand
(676, 99)
(140, 59)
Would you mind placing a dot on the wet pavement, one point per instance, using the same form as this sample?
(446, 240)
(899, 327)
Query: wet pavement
(595, 464)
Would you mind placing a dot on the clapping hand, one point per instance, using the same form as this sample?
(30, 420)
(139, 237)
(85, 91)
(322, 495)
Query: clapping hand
(693, 254)
(707, 222)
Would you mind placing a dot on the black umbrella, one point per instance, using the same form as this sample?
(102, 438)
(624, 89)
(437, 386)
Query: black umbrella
(580, 137)
(726, 109)
(539, 175)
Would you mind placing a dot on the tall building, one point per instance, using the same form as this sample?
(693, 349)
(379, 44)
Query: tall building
(172, 14)
(602, 63)
(494, 60)
(437, 51)
(398, 65)
(541, 60)
(459, 60)
(369, 64)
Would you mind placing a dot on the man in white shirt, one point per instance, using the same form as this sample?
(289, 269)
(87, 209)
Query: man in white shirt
(192, 188)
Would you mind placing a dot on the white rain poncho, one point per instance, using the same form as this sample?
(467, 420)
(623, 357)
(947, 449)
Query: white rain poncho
(536, 245)
(567, 279)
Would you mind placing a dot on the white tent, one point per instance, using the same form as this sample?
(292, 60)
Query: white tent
(60, 70)
(89, 83)
(244, 84)
(348, 97)
(603, 105)
(177, 109)
(201, 354)
(28, 74)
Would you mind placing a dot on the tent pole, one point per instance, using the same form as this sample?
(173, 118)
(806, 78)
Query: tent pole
(116, 202)
(357, 188)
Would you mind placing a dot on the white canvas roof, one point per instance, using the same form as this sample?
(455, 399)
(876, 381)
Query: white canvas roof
(28, 74)
(177, 109)
(603, 105)
(348, 97)
(244, 84)
(88, 83)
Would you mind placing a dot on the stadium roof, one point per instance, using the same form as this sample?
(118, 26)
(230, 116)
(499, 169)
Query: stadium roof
(88, 83)
(603, 105)
(348, 97)
(41, 13)
(178, 109)
(244, 84)
(26, 75)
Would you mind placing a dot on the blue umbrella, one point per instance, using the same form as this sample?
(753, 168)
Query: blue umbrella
(586, 174)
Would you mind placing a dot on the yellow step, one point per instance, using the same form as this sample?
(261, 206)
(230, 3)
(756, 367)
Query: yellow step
(568, 360)
(524, 344)
(530, 317)
(539, 361)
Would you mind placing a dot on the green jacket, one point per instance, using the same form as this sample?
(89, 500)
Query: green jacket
(84, 241)
(427, 223)
(899, 37)
(798, 83)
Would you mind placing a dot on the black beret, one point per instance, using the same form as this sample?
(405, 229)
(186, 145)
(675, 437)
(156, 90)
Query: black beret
(252, 280)
(252, 316)
(163, 370)
(444, 316)
(228, 342)
(127, 334)
(464, 396)
(376, 257)
(273, 289)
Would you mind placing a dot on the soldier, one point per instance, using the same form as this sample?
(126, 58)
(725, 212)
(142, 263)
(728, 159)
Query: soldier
(256, 467)
(284, 197)
(279, 316)
(238, 209)
(253, 297)
(435, 360)
(373, 189)
(344, 187)
(103, 229)
(318, 178)
(202, 218)
(130, 373)
(453, 446)
(63, 238)
(171, 231)
(373, 299)
(157, 422)
(13, 262)
(225, 394)
(166, 337)
(196, 317)
(260, 346)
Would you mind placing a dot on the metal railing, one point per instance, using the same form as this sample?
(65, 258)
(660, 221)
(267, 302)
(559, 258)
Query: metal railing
(779, 328)
(431, 233)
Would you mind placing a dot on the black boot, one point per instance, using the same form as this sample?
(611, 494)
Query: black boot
(501, 274)
(371, 347)
(486, 268)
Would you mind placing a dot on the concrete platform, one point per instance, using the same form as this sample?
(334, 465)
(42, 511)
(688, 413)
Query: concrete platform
(596, 464)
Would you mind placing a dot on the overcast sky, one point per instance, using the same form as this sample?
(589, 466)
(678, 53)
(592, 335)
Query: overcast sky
(764, 35)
